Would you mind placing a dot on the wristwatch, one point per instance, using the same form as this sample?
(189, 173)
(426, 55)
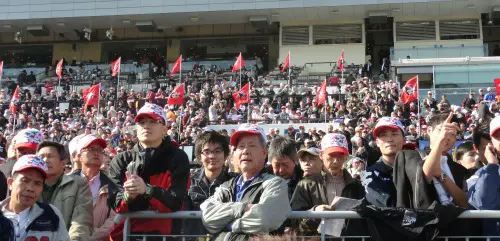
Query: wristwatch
(443, 177)
(149, 191)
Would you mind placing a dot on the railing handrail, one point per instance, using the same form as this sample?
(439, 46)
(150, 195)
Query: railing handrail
(469, 214)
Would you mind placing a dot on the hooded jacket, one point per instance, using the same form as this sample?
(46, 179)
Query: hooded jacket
(224, 216)
(45, 223)
(166, 169)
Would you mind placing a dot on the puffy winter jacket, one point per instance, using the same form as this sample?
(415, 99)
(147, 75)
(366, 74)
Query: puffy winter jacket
(166, 169)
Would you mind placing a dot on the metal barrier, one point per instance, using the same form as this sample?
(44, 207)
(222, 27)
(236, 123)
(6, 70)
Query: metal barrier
(323, 215)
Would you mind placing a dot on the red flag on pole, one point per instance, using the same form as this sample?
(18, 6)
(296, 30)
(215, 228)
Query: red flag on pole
(286, 63)
(497, 86)
(59, 68)
(321, 95)
(115, 67)
(177, 96)
(340, 61)
(409, 92)
(1, 69)
(14, 100)
(91, 95)
(177, 66)
(242, 96)
(239, 63)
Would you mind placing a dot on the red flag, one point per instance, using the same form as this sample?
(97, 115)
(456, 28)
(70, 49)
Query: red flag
(239, 63)
(321, 95)
(177, 66)
(286, 63)
(59, 68)
(242, 96)
(91, 95)
(14, 100)
(497, 86)
(1, 69)
(115, 67)
(177, 96)
(340, 61)
(409, 92)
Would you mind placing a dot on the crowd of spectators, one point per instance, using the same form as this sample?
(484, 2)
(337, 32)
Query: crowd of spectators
(368, 127)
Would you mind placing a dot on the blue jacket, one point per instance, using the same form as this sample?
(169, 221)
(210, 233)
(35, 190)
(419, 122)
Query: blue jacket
(484, 194)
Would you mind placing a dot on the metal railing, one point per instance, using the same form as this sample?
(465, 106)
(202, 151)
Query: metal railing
(323, 215)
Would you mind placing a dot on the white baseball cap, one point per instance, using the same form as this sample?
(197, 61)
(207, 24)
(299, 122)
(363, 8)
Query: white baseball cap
(246, 128)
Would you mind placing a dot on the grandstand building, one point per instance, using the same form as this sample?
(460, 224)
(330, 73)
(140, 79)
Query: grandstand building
(450, 43)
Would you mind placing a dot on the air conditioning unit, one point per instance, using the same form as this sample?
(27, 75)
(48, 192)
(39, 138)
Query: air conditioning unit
(38, 30)
(146, 26)
(259, 21)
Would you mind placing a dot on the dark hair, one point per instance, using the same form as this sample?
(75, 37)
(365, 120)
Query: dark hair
(440, 118)
(462, 149)
(63, 155)
(282, 147)
(210, 137)
(481, 131)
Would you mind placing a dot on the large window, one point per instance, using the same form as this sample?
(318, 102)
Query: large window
(295, 35)
(459, 29)
(421, 30)
(337, 34)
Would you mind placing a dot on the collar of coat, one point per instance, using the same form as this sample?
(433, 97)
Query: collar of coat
(345, 174)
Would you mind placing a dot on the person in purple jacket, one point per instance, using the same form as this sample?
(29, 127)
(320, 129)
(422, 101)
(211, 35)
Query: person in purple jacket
(484, 185)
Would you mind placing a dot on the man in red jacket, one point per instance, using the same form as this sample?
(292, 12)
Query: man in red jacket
(153, 176)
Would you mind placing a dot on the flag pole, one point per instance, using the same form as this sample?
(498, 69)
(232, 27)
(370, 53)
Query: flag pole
(180, 73)
(240, 57)
(248, 109)
(99, 99)
(326, 100)
(117, 79)
(58, 89)
(418, 110)
(342, 70)
(289, 69)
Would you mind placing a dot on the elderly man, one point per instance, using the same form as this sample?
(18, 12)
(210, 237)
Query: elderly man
(32, 220)
(152, 176)
(252, 203)
(90, 151)
(317, 192)
(25, 142)
(69, 194)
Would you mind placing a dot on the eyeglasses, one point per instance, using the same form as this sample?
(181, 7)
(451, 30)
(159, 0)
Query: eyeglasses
(216, 152)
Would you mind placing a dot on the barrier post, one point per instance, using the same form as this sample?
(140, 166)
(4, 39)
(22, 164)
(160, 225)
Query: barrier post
(126, 229)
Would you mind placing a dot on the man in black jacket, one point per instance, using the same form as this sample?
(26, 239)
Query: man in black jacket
(378, 178)
(152, 176)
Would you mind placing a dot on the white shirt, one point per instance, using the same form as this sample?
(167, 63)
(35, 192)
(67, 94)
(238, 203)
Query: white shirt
(444, 196)
(94, 184)
(19, 221)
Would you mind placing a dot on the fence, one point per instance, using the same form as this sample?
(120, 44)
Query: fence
(323, 215)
